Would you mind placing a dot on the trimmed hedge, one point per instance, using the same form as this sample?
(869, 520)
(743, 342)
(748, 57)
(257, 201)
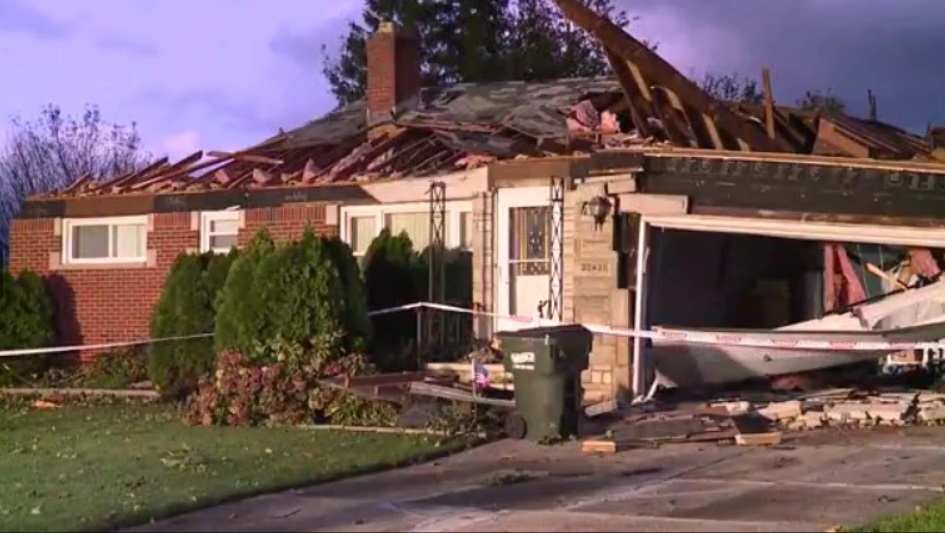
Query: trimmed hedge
(187, 307)
(302, 292)
(240, 312)
(393, 276)
(26, 321)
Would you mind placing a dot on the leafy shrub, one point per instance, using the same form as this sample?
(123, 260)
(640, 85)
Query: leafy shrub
(186, 307)
(116, 369)
(278, 384)
(26, 321)
(241, 312)
(392, 278)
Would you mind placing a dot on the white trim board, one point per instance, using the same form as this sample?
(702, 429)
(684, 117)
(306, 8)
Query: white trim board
(796, 229)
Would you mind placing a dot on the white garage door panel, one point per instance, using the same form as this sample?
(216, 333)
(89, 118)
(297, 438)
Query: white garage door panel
(793, 229)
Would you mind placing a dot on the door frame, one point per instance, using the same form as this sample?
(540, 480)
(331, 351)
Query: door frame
(507, 198)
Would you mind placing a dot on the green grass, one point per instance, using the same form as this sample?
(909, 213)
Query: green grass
(94, 468)
(925, 519)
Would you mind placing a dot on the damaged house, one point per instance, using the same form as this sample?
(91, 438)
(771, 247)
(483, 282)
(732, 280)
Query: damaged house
(637, 201)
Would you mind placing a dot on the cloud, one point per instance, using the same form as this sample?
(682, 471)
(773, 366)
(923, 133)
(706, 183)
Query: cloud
(18, 16)
(215, 103)
(892, 48)
(180, 144)
(124, 43)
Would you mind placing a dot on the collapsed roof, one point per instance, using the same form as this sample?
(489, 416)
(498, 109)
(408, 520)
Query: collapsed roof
(648, 102)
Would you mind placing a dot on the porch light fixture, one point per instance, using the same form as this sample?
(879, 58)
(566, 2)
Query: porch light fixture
(597, 208)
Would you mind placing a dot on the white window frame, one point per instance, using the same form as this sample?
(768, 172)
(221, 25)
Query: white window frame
(452, 208)
(206, 220)
(70, 223)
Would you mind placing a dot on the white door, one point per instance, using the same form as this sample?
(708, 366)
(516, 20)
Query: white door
(523, 231)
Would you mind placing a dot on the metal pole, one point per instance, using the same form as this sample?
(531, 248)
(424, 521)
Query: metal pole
(639, 310)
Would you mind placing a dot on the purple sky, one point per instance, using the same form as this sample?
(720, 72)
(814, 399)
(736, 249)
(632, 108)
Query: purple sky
(218, 74)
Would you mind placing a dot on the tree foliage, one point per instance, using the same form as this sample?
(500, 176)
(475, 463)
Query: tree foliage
(26, 321)
(822, 101)
(732, 88)
(55, 149)
(744, 89)
(475, 41)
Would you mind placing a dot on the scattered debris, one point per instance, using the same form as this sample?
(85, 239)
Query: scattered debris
(61, 392)
(43, 404)
(772, 438)
(601, 408)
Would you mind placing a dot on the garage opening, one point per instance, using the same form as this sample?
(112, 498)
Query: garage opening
(788, 280)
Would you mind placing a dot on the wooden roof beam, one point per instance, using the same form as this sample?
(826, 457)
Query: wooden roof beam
(633, 92)
(660, 72)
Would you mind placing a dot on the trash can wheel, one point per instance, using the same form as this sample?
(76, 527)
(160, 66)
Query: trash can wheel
(515, 426)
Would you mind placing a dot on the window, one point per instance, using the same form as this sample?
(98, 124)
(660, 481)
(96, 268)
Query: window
(219, 231)
(416, 225)
(362, 231)
(105, 240)
(465, 230)
(361, 224)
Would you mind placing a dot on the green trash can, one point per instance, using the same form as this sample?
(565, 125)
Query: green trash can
(546, 365)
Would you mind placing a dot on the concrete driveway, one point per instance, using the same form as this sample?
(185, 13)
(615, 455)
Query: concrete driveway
(813, 482)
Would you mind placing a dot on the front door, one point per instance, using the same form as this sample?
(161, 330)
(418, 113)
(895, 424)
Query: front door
(524, 254)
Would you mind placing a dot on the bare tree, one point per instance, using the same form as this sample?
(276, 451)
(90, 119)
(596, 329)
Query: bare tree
(732, 88)
(54, 150)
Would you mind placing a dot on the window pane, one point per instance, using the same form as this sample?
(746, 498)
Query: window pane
(90, 242)
(129, 240)
(222, 242)
(528, 246)
(465, 230)
(227, 227)
(417, 226)
(363, 231)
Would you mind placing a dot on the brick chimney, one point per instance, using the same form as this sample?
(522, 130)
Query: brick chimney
(393, 71)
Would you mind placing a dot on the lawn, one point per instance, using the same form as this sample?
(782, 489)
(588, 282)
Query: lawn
(929, 518)
(93, 468)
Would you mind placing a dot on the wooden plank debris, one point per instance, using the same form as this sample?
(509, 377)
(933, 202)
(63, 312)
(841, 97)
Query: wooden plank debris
(771, 438)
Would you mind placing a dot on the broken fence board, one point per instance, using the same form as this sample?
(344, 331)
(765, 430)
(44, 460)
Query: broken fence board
(118, 393)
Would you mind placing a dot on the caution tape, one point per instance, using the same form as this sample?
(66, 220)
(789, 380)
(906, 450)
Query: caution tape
(719, 339)
(128, 344)
(691, 337)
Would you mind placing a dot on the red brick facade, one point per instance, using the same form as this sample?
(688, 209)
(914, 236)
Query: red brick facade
(99, 305)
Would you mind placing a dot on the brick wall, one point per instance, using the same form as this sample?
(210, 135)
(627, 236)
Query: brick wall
(99, 305)
(393, 74)
(591, 295)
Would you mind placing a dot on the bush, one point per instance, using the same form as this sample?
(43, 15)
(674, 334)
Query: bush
(186, 307)
(240, 310)
(297, 291)
(26, 321)
(117, 369)
(278, 384)
(392, 277)
(357, 323)
(302, 293)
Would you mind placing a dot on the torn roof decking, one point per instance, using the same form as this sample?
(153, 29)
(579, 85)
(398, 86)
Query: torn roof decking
(467, 125)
